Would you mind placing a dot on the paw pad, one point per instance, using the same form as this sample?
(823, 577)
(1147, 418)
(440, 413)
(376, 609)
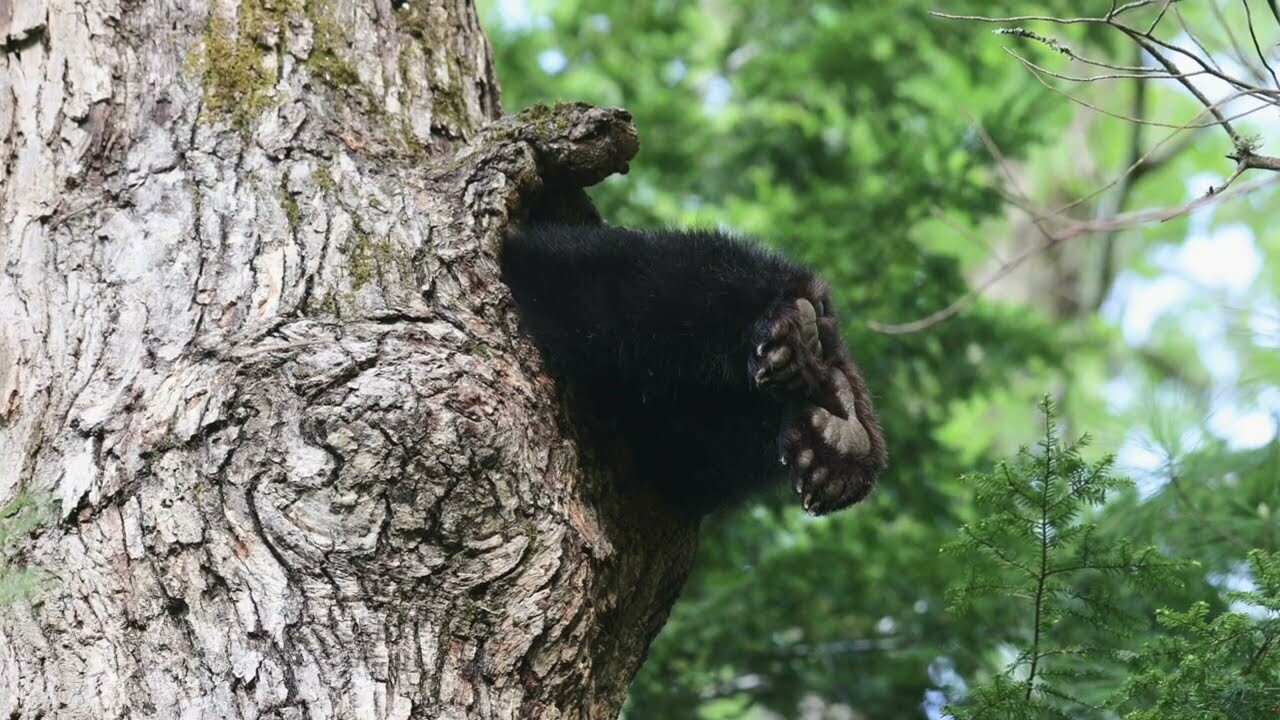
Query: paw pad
(830, 456)
(790, 341)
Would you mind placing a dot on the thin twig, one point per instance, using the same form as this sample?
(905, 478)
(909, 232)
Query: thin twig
(1073, 230)
(1116, 12)
(1216, 8)
(1061, 48)
(963, 301)
(1148, 160)
(1186, 30)
(1258, 47)
(1056, 227)
(1159, 16)
(1190, 86)
(1236, 82)
(1240, 168)
(1019, 18)
(1036, 70)
(1109, 20)
(1147, 74)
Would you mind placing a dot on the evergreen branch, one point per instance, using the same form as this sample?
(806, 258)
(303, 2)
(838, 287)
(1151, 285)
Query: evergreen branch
(998, 552)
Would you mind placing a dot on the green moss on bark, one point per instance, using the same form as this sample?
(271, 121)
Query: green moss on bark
(370, 258)
(291, 209)
(237, 82)
(326, 60)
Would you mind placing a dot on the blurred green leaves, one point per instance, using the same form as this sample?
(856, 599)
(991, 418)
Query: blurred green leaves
(837, 132)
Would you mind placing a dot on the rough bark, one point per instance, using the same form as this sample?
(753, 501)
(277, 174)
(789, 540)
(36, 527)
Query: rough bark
(253, 341)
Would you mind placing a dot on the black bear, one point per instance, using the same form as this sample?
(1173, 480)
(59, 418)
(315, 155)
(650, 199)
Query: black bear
(717, 360)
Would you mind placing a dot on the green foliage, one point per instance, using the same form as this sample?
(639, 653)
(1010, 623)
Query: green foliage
(1214, 668)
(1057, 582)
(18, 519)
(1063, 589)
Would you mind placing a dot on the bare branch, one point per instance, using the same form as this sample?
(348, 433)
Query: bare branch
(1251, 161)
(965, 300)
(1147, 40)
(1073, 230)
(1056, 226)
(1240, 168)
(1147, 163)
(1037, 70)
(1026, 34)
(1069, 228)
(1116, 12)
(1122, 74)
(1195, 39)
(1216, 9)
(1190, 86)
(1021, 18)
(1257, 47)
(1159, 16)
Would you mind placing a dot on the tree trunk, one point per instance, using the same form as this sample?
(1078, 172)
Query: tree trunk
(253, 341)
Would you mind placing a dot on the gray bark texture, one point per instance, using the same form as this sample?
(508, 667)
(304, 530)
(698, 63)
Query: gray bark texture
(254, 343)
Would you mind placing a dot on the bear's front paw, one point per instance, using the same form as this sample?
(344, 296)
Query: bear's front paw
(786, 350)
(832, 462)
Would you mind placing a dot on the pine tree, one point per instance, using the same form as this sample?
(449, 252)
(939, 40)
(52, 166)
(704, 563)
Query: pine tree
(1213, 668)
(1059, 586)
